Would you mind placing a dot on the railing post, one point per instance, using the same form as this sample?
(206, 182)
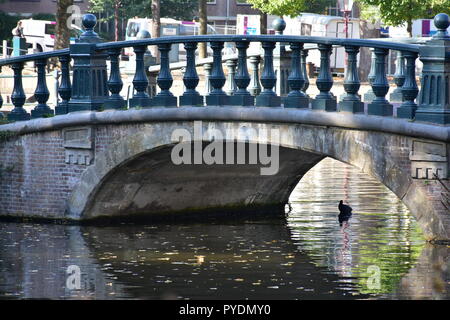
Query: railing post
(351, 101)
(242, 78)
(281, 60)
(191, 97)
(399, 78)
(18, 96)
(255, 86)
(380, 106)
(409, 88)
(164, 98)
(305, 72)
(217, 96)
(434, 97)
(140, 82)
(324, 100)
(65, 88)
(89, 89)
(41, 93)
(296, 98)
(115, 84)
(268, 97)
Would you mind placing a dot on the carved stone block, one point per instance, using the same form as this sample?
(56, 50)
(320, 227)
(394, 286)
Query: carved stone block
(428, 159)
(79, 145)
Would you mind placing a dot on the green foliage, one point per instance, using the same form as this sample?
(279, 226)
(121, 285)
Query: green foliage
(6, 135)
(176, 9)
(7, 23)
(291, 7)
(397, 12)
(279, 7)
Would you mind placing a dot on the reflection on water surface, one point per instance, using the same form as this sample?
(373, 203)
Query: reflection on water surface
(380, 254)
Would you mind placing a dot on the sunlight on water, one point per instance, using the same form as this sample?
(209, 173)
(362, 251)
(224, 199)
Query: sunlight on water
(381, 236)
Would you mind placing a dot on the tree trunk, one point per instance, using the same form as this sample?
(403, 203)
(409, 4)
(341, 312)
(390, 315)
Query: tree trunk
(203, 18)
(116, 20)
(409, 27)
(156, 24)
(263, 22)
(62, 36)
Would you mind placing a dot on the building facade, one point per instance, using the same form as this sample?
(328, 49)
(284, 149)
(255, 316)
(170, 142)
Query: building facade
(27, 8)
(224, 12)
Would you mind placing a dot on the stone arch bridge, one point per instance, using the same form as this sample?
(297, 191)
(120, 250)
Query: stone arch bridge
(106, 156)
(119, 163)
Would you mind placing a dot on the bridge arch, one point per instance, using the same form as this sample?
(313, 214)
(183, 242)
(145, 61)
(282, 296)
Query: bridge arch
(135, 175)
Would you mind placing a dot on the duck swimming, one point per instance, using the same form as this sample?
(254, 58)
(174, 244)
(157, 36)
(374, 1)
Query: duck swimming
(344, 209)
(345, 212)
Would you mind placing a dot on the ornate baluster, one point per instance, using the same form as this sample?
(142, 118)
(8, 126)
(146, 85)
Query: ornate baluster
(217, 96)
(399, 78)
(351, 102)
(305, 72)
(324, 100)
(242, 79)
(18, 96)
(231, 66)
(409, 89)
(255, 87)
(41, 93)
(140, 82)
(369, 95)
(191, 97)
(64, 89)
(268, 97)
(380, 106)
(115, 84)
(164, 98)
(296, 81)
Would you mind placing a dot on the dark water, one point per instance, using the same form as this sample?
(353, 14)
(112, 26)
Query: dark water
(380, 254)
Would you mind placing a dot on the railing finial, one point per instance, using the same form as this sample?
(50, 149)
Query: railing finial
(441, 21)
(279, 25)
(89, 35)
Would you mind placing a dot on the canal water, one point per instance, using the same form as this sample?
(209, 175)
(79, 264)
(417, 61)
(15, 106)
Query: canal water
(379, 253)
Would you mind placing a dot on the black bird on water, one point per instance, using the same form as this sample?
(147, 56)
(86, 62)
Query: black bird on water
(345, 212)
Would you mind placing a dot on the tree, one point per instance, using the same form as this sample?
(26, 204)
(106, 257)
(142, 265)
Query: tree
(62, 31)
(203, 19)
(398, 12)
(279, 7)
(291, 8)
(176, 9)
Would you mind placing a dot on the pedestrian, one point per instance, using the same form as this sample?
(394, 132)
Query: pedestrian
(18, 30)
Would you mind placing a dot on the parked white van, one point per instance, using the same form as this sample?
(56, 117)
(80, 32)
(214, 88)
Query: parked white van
(169, 27)
(311, 24)
(40, 34)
